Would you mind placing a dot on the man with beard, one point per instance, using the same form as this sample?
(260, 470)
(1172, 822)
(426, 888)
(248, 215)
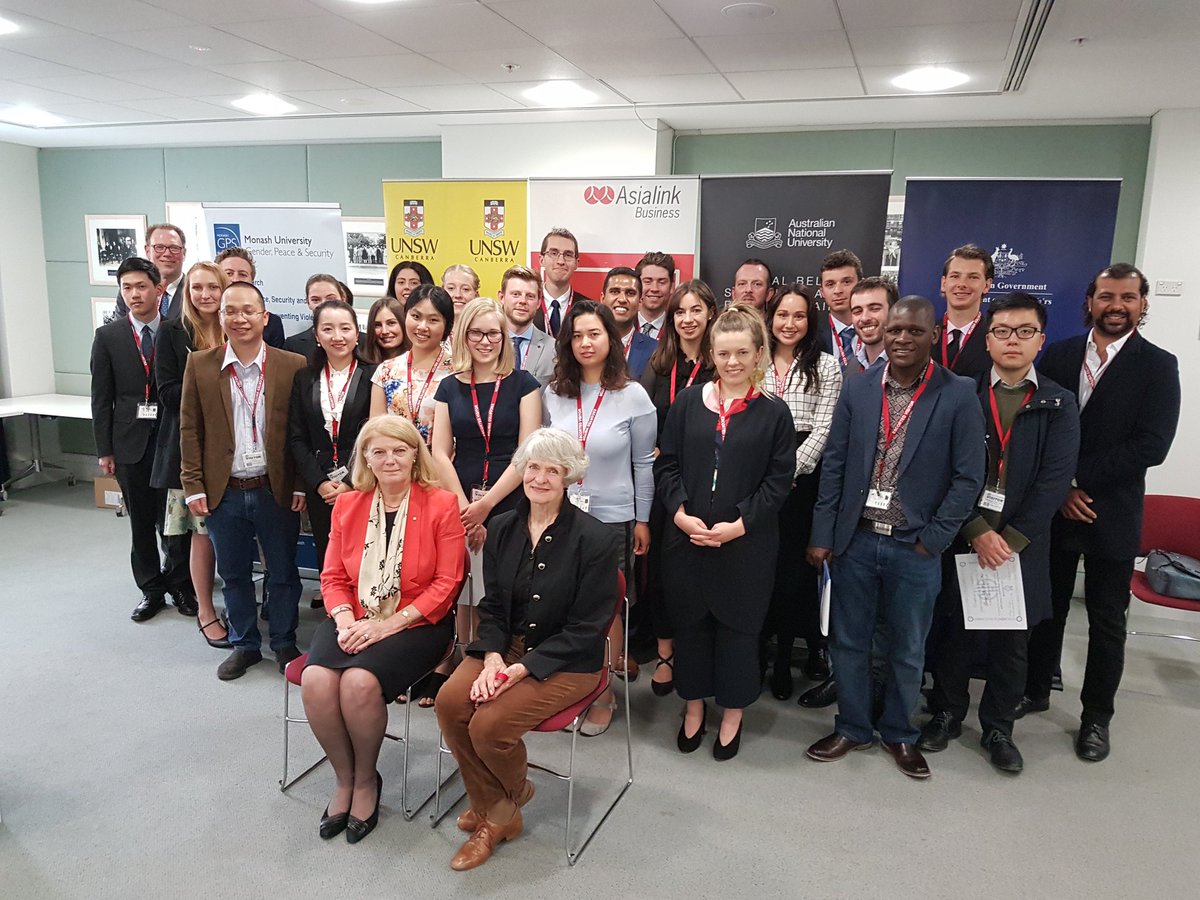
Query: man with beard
(869, 304)
(533, 349)
(752, 284)
(1128, 391)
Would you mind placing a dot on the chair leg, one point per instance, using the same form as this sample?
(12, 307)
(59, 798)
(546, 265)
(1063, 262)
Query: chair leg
(1175, 637)
(288, 722)
(435, 817)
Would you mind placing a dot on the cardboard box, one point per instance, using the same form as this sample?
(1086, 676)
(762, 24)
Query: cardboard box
(108, 493)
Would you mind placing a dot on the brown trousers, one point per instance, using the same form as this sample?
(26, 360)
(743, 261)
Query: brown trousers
(486, 742)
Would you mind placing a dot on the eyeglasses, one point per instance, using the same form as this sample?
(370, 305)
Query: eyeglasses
(1024, 332)
(230, 313)
(565, 255)
(397, 453)
(173, 249)
(492, 337)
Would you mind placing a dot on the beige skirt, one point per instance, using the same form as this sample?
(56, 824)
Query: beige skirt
(179, 519)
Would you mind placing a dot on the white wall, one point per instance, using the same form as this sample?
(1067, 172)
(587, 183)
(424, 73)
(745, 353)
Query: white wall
(1167, 245)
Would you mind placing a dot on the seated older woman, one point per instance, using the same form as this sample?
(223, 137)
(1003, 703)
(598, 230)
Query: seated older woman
(550, 576)
(392, 570)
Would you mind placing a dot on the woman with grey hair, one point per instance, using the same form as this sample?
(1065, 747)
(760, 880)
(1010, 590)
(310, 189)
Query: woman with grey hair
(550, 580)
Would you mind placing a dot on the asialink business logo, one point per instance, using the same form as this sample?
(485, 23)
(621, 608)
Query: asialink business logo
(226, 236)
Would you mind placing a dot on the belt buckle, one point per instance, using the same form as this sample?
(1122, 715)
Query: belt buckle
(879, 527)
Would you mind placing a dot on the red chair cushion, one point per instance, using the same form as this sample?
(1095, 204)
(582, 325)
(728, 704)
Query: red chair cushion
(293, 669)
(1142, 590)
(561, 720)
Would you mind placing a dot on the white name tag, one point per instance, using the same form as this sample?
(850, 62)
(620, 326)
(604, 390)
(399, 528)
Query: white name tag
(877, 499)
(338, 474)
(580, 498)
(993, 501)
(254, 458)
(477, 493)
(147, 411)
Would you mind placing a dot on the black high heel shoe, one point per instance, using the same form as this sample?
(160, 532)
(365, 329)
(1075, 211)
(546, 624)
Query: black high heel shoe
(357, 829)
(730, 750)
(691, 744)
(663, 688)
(219, 643)
(332, 826)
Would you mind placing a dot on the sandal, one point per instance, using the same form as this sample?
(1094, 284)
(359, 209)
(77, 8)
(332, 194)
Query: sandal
(626, 669)
(663, 688)
(217, 643)
(591, 729)
(429, 690)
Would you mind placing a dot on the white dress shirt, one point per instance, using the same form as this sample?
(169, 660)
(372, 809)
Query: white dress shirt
(655, 325)
(244, 428)
(1091, 360)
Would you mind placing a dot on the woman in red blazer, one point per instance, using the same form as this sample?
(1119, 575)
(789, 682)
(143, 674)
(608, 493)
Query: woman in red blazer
(392, 570)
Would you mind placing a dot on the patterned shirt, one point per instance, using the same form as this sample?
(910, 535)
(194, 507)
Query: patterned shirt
(812, 409)
(897, 397)
(392, 376)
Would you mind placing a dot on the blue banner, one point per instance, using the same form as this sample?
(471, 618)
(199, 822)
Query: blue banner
(1048, 238)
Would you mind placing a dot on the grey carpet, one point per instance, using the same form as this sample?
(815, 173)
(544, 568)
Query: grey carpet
(128, 770)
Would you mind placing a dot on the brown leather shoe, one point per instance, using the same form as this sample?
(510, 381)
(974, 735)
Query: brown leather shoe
(626, 668)
(479, 846)
(909, 759)
(834, 747)
(470, 820)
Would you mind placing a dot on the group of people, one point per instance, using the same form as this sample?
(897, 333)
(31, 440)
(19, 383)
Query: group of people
(719, 460)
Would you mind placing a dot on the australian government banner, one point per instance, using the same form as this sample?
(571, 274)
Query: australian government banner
(289, 242)
(616, 221)
(1047, 237)
(443, 223)
(790, 222)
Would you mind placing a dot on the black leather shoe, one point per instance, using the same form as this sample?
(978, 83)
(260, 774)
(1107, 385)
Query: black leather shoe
(357, 829)
(148, 608)
(217, 643)
(1092, 743)
(1030, 705)
(937, 732)
(691, 744)
(730, 750)
(332, 826)
(782, 685)
(285, 655)
(237, 663)
(816, 667)
(1004, 753)
(824, 694)
(185, 603)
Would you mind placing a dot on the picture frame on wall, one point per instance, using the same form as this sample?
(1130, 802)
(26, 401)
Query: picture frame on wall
(111, 240)
(366, 255)
(104, 310)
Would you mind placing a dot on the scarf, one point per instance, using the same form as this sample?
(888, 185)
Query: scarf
(379, 571)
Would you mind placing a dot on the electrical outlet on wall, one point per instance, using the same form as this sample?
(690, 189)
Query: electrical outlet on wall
(1168, 288)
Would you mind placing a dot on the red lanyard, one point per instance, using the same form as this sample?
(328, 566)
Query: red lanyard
(889, 433)
(485, 433)
(415, 411)
(966, 336)
(629, 343)
(336, 403)
(780, 380)
(565, 305)
(147, 363)
(674, 372)
(723, 425)
(583, 432)
(237, 381)
(1003, 436)
(837, 340)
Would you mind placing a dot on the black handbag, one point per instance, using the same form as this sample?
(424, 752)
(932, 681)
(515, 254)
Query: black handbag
(1173, 574)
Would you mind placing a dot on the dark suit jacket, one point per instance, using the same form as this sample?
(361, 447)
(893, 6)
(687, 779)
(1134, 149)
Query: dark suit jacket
(206, 425)
(539, 317)
(641, 348)
(1126, 427)
(305, 343)
(174, 307)
(941, 469)
(118, 386)
(273, 333)
(825, 338)
(171, 351)
(972, 360)
(573, 590)
(308, 441)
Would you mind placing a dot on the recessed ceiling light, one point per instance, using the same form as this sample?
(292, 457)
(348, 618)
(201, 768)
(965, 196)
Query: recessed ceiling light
(748, 11)
(373, 2)
(199, 48)
(560, 93)
(930, 78)
(7, 27)
(29, 116)
(264, 105)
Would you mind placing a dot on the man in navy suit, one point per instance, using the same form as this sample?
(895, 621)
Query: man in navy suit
(840, 274)
(622, 294)
(166, 247)
(1128, 392)
(966, 278)
(903, 467)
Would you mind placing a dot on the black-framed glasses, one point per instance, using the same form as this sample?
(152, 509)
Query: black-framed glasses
(160, 249)
(477, 336)
(1004, 332)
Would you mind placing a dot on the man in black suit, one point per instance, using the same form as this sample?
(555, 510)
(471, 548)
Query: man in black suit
(560, 259)
(1033, 442)
(966, 278)
(166, 247)
(656, 272)
(1129, 393)
(125, 418)
(840, 273)
(752, 284)
(238, 265)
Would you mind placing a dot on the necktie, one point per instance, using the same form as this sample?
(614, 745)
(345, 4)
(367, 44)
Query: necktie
(518, 343)
(847, 339)
(147, 348)
(648, 329)
(952, 346)
(164, 304)
(555, 318)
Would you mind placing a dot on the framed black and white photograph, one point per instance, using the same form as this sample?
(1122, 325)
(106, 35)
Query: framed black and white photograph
(104, 310)
(893, 236)
(110, 241)
(366, 255)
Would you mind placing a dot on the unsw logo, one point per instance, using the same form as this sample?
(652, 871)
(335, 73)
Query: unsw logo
(226, 236)
(765, 235)
(1008, 261)
(414, 217)
(594, 194)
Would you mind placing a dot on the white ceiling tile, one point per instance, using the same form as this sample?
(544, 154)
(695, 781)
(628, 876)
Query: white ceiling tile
(89, 53)
(704, 17)
(358, 101)
(556, 22)
(393, 70)
(18, 65)
(184, 108)
(105, 113)
(672, 56)
(456, 97)
(97, 87)
(675, 89)
(516, 90)
(223, 12)
(798, 84)
(317, 37)
(897, 13)
(185, 81)
(225, 101)
(437, 29)
(177, 44)
(980, 41)
(985, 76)
(97, 16)
(763, 52)
(488, 65)
(289, 75)
(28, 26)
(19, 93)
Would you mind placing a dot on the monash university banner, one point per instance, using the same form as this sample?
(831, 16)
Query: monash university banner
(616, 221)
(289, 242)
(790, 222)
(1047, 237)
(444, 223)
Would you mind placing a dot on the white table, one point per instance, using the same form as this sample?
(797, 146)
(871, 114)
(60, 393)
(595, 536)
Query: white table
(34, 407)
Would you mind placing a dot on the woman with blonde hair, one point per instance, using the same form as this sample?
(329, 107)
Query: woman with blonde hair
(461, 282)
(392, 571)
(728, 453)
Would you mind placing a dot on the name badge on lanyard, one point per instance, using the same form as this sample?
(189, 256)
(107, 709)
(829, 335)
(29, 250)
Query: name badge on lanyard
(338, 474)
(147, 411)
(877, 499)
(992, 501)
(579, 497)
(254, 457)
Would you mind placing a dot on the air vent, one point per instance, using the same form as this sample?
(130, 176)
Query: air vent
(1031, 34)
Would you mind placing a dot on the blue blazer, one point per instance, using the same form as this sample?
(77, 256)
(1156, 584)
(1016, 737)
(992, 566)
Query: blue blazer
(641, 348)
(942, 468)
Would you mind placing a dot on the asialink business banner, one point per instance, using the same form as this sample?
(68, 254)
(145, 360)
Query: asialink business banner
(790, 222)
(1048, 237)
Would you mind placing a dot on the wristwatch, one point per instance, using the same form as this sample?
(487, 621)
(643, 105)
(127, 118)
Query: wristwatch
(407, 616)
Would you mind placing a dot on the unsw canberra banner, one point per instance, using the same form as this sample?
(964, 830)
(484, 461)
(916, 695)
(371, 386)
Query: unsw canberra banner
(481, 224)
(616, 221)
(1047, 237)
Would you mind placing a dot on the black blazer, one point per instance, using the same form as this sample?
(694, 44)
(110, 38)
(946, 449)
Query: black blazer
(539, 317)
(174, 308)
(573, 590)
(171, 350)
(973, 359)
(305, 343)
(1126, 427)
(308, 441)
(118, 386)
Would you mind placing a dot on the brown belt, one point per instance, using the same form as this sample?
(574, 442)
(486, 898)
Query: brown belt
(250, 484)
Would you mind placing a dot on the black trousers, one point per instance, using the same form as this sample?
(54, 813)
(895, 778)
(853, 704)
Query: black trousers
(146, 507)
(649, 620)
(713, 660)
(1006, 671)
(320, 517)
(1106, 596)
(795, 609)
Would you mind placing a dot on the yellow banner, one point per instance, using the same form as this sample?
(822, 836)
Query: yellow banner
(444, 223)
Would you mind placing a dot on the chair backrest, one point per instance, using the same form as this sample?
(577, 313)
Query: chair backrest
(1171, 523)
